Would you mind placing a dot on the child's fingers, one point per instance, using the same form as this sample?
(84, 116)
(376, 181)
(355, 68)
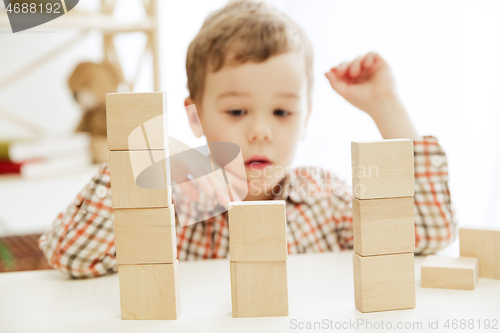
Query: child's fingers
(355, 67)
(336, 81)
(341, 69)
(368, 60)
(379, 61)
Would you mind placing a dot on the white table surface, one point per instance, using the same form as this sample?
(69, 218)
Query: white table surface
(320, 287)
(31, 205)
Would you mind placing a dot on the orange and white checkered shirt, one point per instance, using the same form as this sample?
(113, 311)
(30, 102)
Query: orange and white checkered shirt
(81, 241)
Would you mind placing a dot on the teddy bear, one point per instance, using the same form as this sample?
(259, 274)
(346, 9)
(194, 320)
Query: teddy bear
(89, 83)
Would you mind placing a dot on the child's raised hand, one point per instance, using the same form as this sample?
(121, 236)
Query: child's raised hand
(366, 82)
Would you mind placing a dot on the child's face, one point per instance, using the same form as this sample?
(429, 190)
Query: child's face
(263, 108)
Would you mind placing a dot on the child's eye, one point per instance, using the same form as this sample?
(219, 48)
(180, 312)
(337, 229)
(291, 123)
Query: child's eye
(281, 113)
(236, 113)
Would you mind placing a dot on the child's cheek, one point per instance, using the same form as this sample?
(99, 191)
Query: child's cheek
(220, 136)
(288, 144)
(221, 133)
(212, 130)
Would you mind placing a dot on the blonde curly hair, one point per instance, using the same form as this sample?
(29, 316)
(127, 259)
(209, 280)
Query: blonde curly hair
(249, 31)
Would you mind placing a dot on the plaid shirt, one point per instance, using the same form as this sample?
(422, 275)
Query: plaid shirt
(81, 241)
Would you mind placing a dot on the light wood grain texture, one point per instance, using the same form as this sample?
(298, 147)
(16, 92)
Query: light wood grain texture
(145, 235)
(257, 231)
(150, 291)
(383, 283)
(259, 288)
(484, 243)
(383, 226)
(136, 121)
(382, 169)
(450, 272)
(126, 167)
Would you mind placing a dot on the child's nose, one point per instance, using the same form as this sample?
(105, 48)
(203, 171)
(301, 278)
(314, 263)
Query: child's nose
(260, 132)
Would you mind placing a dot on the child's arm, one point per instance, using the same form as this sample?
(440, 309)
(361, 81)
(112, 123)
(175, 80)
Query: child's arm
(368, 84)
(81, 241)
(435, 220)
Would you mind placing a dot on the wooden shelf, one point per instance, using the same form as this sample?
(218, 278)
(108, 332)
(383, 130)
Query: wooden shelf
(105, 23)
(85, 21)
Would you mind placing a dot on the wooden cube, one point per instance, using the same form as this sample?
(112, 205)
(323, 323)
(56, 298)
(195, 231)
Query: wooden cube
(259, 288)
(257, 230)
(383, 226)
(132, 169)
(382, 169)
(482, 242)
(450, 272)
(383, 283)
(145, 235)
(136, 121)
(150, 291)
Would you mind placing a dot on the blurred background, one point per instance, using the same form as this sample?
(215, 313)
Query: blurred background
(445, 56)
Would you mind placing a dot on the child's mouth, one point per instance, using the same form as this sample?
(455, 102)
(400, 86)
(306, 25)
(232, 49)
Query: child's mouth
(258, 162)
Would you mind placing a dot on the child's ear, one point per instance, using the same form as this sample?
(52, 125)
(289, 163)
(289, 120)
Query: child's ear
(194, 119)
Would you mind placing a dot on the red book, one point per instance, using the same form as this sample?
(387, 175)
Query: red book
(10, 167)
(47, 166)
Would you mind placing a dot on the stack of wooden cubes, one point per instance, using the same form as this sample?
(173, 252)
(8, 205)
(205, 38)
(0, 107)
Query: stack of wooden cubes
(383, 224)
(144, 216)
(258, 254)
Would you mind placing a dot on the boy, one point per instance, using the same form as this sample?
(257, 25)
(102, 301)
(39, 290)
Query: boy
(250, 76)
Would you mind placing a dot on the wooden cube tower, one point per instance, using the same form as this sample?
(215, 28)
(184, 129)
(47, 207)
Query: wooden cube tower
(258, 254)
(383, 225)
(144, 216)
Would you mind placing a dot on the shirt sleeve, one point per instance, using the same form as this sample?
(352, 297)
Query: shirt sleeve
(341, 198)
(81, 241)
(435, 221)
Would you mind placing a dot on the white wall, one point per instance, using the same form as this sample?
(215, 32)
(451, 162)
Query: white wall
(445, 56)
